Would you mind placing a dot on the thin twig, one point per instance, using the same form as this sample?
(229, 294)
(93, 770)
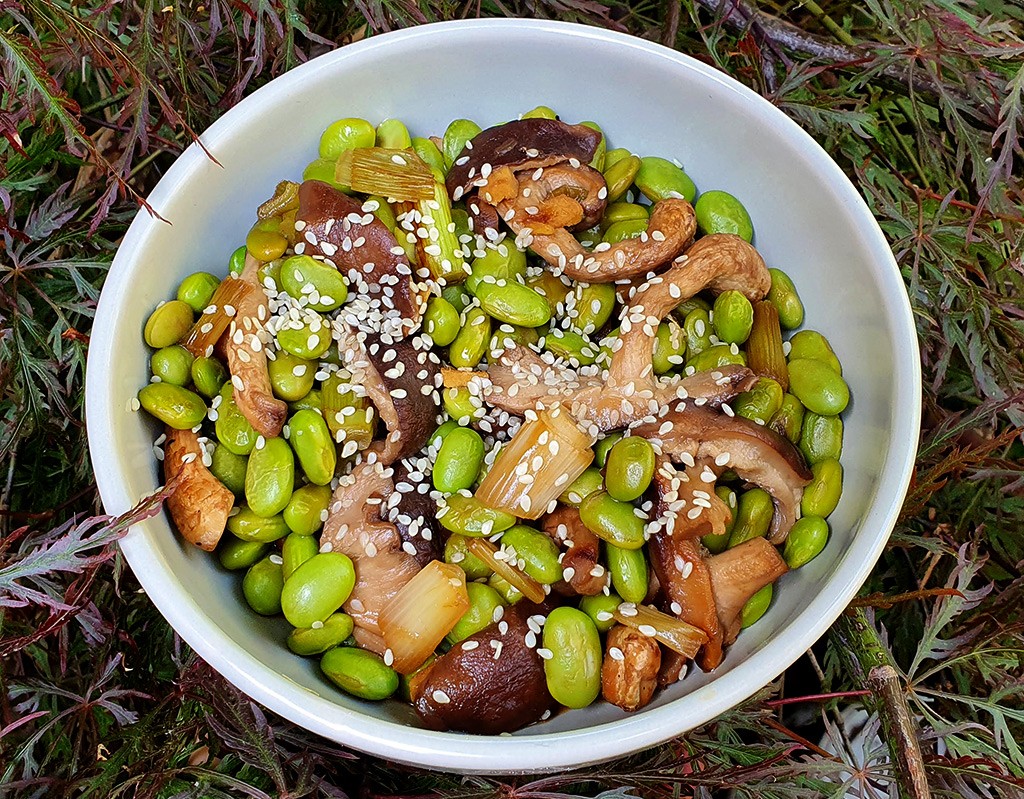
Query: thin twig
(900, 732)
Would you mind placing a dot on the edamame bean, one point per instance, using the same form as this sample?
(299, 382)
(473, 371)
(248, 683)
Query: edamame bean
(455, 137)
(572, 346)
(232, 428)
(427, 150)
(168, 324)
(306, 510)
(313, 401)
(512, 336)
(458, 296)
(619, 176)
(597, 162)
(346, 134)
(262, 585)
(309, 339)
(582, 487)
(660, 179)
(753, 516)
(612, 521)
(470, 517)
(317, 588)
(458, 460)
(250, 526)
(197, 289)
(483, 602)
(573, 672)
(501, 262)
(806, 540)
(462, 406)
(441, 321)
(535, 552)
(470, 345)
(789, 418)
(604, 446)
(600, 608)
(785, 299)
(669, 347)
(323, 169)
(229, 468)
(441, 433)
(716, 356)
(456, 553)
(822, 494)
(692, 304)
(756, 606)
(719, 542)
(291, 378)
(208, 375)
(720, 212)
(734, 317)
(313, 446)
(270, 477)
(629, 468)
(236, 263)
(359, 672)
(697, 329)
(627, 229)
(265, 242)
(172, 365)
(761, 403)
(811, 344)
(508, 592)
(540, 112)
(818, 386)
(623, 212)
(296, 550)
(628, 568)
(175, 406)
(393, 134)
(314, 640)
(551, 288)
(513, 303)
(592, 306)
(821, 437)
(329, 287)
(234, 553)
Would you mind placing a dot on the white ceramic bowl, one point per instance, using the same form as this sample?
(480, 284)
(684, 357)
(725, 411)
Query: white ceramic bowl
(809, 220)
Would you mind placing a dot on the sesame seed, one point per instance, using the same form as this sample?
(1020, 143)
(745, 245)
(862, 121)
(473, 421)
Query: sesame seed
(440, 697)
(616, 654)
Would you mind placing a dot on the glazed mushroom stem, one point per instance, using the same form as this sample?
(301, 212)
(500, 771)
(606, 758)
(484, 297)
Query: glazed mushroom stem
(200, 504)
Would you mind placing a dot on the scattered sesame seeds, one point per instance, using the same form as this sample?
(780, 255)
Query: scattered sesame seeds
(440, 697)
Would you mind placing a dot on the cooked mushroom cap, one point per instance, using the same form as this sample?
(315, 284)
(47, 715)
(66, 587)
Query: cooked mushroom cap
(415, 516)
(739, 573)
(354, 525)
(200, 504)
(582, 185)
(629, 677)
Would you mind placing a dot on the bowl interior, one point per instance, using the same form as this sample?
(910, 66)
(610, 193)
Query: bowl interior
(808, 220)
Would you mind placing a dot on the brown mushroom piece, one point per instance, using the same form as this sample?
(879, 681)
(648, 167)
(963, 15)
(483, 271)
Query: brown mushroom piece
(490, 683)
(739, 573)
(415, 514)
(581, 188)
(200, 503)
(247, 358)
(686, 505)
(629, 670)
(582, 572)
(340, 230)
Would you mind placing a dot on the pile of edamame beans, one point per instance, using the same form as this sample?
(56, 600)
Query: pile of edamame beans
(283, 485)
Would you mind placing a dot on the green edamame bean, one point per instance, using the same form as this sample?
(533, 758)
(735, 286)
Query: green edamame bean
(600, 608)
(168, 324)
(719, 542)
(660, 179)
(597, 162)
(229, 468)
(669, 347)
(573, 672)
(208, 376)
(458, 460)
(314, 640)
(818, 386)
(629, 468)
(441, 321)
(265, 242)
(612, 521)
(785, 299)
(359, 672)
(393, 134)
(441, 433)
(483, 601)
(697, 329)
(313, 446)
(313, 401)
(455, 137)
(232, 428)
(619, 175)
(346, 134)
(304, 514)
(756, 606)
(511, 336)
(234, 553)
(582, 487)
(291, 378)
(536, 552)
(604, 446)
(762, 402)
(462, 406)
(197, 289)
(789, 418)
(822, 494)
(508, 592)
(572, 346)
(623, 212)
(250, 526)
(296, 550)
(470, 345)
(317, 588)
(236, 263)
(592, 306)
(753, 516)
(628, 568)
(270, 477)
(613, 156)
(716, 356)
(513, 303)
(501, 262)
(458, 296)
(427, 150)
(175, 406)
(692, 304)
(329, 289)
(821, 437)
(811, 344)
(309, 339)
(806, 540)
(172, 365)
(468, 516)
(734, 317)
(455, 552)
(323, 169)
(720, 212)
(262, 585)
(627, 229)
(540, 112)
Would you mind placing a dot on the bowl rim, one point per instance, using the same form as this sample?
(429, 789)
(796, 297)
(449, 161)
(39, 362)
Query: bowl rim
(532, 753)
